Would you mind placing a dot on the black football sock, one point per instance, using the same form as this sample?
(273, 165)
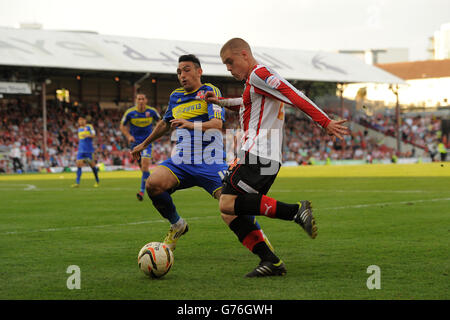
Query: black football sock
(257, 204)
(264, 253)
(252, 238)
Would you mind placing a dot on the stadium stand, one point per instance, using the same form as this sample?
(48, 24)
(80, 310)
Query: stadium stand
(21, 127)
(106, 73)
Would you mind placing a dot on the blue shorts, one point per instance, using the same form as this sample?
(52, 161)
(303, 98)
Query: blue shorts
(206, 176)
(146, 153)
(84, 155)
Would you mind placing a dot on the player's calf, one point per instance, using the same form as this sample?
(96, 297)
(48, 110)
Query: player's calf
(300, 213)
(258, 204)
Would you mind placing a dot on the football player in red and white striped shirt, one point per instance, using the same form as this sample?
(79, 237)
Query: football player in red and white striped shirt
(249, 178)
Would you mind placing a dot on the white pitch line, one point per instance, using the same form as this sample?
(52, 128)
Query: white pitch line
(100, 226)
(385, 203)
(352, 191)
(28, 187)
(215, 216)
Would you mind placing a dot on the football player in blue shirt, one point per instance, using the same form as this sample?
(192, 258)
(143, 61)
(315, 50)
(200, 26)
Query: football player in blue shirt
(140, 119)
(86, 133)
(199, 157)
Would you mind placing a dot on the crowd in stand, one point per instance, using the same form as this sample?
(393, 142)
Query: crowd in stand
(21, 137)
(419, 130)
(306, 143)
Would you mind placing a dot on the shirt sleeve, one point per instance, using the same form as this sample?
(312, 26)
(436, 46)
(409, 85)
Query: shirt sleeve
(156, 114)
(231, 103)
(215, 111)
(169, 115)
(271, 84)
(91, 129)
(125, 118)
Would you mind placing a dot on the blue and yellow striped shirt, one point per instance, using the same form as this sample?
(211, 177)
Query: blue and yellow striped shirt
(141, 123)
(85, 140)
(192, 107)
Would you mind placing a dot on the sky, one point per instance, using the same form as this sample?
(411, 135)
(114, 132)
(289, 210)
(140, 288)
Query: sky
(324, 25)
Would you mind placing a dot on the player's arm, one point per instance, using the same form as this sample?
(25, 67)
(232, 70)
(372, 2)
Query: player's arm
(203, 126)
(91, 132)
(272, 85)
(161, 128)
(156, 115)
(126, 132)
(216, 113)
(229, 103)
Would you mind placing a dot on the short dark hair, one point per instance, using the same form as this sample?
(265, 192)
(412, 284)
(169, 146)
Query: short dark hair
(190, 57)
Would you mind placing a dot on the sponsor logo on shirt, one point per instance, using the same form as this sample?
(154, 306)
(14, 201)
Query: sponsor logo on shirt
(141, 122)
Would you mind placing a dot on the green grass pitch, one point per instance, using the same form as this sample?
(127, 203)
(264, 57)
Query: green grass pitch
(396, 217)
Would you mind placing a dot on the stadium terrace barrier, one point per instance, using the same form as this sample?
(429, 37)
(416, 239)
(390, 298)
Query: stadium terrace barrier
(285, 164)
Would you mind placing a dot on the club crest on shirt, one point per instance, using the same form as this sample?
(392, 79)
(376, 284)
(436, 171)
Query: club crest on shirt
(273, 82)
(200, 95)
(147, 114)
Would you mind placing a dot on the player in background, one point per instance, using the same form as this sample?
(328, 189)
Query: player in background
(261, 113)
(198, 128)
(86, 134)
(140, 119)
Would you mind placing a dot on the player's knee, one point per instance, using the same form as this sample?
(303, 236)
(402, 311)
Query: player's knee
(227, 218)
(145, 164)
(153, 188)
(226, 205)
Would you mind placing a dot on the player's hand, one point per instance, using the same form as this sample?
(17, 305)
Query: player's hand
(336, 129)
(131, 139)
(181, 123)
(136, 152)
(211, 97)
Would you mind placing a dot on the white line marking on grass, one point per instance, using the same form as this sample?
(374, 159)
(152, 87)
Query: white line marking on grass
(101, 226)
(351, 191)
(82, 189)
(30, 187)
(24, 186)
(385, 203)
(215, 216)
